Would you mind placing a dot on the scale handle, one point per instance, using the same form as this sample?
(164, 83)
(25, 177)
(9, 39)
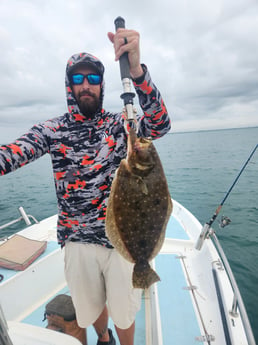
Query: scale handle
(123, 60)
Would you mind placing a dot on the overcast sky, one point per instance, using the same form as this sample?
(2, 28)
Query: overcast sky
(202, 55)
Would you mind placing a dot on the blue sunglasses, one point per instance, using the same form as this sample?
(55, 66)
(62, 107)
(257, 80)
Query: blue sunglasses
(93, 79)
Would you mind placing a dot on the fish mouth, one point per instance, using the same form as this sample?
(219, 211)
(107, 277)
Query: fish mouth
(132, 138)
(136, 144)
(138, 155)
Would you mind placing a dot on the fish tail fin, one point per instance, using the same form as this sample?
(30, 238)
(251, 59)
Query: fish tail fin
(144, 275)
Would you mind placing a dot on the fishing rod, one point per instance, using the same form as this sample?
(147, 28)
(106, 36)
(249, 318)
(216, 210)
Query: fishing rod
(206, 228)
(127, 95)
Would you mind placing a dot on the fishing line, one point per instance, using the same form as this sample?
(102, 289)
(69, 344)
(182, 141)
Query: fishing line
(206, 228)
(231, 187)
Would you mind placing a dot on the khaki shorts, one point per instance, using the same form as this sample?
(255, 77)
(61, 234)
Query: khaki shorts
(97, 275)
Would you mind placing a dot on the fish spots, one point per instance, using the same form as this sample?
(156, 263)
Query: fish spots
(138, 210)
(156, 202)
(143, 215)
(142, 243)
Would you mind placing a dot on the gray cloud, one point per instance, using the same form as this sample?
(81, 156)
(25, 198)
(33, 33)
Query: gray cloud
(202, 56)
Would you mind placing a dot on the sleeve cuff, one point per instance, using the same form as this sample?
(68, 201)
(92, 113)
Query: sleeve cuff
(140, 79)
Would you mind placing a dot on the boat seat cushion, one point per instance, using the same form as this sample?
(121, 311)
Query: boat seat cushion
(19, 252)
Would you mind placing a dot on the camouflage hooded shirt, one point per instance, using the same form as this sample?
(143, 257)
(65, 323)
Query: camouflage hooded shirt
(85, 154)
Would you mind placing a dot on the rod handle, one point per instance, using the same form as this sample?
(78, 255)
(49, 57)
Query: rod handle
(123, 60)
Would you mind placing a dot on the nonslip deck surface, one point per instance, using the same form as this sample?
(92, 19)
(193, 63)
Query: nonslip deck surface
(178, 319)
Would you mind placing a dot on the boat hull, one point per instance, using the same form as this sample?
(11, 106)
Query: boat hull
(192, 302)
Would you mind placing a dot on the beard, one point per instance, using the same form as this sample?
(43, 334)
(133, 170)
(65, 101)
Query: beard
(88, 105)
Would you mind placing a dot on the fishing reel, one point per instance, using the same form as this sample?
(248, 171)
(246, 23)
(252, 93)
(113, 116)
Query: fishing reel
(224, 221)
(207, 230)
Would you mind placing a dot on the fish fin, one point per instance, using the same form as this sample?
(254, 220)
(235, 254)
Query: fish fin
(143, 185)
(144, 275)
(144, 188)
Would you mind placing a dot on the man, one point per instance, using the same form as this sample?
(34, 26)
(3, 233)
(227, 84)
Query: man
(86, 146)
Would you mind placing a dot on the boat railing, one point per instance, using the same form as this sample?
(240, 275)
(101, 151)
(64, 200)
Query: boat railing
(24, 217)
(237, 303)
(4, 336)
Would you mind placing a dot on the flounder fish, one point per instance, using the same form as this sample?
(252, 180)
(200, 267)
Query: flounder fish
(139, 207)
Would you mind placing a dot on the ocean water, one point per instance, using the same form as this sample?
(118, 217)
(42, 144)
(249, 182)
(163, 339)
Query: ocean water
(200, 168)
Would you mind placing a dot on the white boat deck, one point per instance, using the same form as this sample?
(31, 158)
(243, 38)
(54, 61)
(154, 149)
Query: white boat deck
(181, 309)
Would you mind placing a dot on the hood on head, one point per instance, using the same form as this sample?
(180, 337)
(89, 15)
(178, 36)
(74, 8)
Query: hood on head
(77, 60)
